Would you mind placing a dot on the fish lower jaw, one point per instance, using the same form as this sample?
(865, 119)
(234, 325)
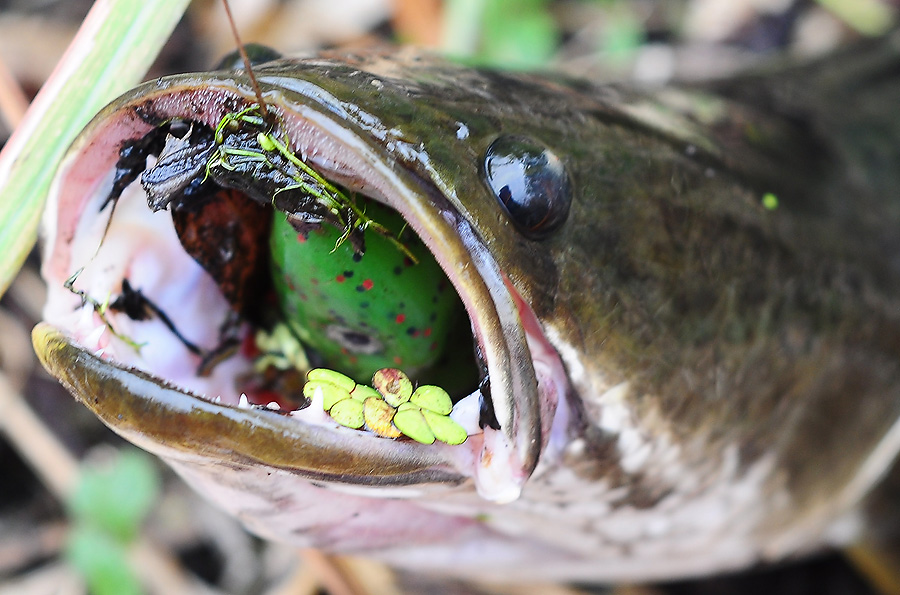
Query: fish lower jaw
(116, 339)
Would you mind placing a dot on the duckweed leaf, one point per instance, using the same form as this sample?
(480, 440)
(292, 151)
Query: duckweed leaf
(331, 393)
(391, 411)
(378, 416)
(282, 349)
(332, 377)
(412, 423)
(349, 413)
(363, 392)
(393, 384)
(433, 398)
(444, 428)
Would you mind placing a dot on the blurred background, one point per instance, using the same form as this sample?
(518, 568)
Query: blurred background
(62, 473)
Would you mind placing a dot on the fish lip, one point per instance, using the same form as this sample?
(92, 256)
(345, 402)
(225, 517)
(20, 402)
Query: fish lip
(514, 386)
(152, 414)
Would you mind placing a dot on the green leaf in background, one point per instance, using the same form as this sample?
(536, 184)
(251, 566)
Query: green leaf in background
(507, 33)
(518, 33)
(622, 36)
(117, 496)
(102, 561)
(462, 26)
(112, 51)
(517, 38)
(869, 17)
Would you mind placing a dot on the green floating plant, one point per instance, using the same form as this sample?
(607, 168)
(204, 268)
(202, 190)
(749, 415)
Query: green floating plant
(347, 214)
(410, 420)
(101, 308)
(393, 385)
(389, 408)
(280, 349)
(379, 416)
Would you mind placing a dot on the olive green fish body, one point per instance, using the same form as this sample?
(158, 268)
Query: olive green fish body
(683, 307)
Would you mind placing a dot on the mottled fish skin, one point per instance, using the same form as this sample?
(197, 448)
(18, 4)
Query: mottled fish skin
(732, 371)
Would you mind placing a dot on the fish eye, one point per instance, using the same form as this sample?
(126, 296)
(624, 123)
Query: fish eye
(531, 184)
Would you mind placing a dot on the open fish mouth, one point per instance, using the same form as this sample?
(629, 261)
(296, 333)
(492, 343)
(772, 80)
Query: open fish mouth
(171, 374)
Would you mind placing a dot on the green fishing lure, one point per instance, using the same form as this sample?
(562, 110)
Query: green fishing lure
(362, 311)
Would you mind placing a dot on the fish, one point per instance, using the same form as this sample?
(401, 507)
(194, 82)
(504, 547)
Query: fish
(679, 351)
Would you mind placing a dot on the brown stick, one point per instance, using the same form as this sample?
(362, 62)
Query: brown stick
(13, 102)
(330, 574)
(247, 66)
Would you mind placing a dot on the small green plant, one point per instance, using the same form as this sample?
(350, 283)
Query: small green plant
(106, 510)
(507, 33)
(272, 154)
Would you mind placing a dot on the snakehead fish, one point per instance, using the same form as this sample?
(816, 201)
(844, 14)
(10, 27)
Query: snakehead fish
(674, 339)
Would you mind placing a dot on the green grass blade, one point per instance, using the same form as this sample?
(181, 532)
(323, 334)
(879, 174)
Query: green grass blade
(462, 26)
(869, 17)
(115, 46)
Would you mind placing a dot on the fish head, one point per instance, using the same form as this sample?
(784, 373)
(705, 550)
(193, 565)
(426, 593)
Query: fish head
(387, 144)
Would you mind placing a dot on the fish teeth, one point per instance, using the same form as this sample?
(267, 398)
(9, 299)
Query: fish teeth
(244, 403)
(467, 412)
(318, 398)
(93, 338)
(273, 406)
(87, 316)
(314, 416)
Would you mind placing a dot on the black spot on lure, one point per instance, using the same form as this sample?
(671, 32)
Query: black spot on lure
(683, 308)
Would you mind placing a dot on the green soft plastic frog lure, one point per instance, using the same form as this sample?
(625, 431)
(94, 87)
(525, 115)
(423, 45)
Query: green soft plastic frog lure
(361, 311)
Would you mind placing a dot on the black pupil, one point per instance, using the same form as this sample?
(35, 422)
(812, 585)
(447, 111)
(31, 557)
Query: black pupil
(531, 184)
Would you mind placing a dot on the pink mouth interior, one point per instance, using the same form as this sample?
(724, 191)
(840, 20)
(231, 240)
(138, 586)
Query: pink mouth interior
(142, 247)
